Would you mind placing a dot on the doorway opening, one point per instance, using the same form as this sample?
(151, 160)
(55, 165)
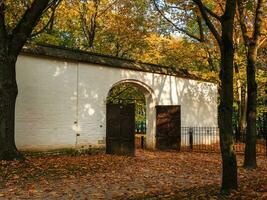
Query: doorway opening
(143, 122)
(126, 119)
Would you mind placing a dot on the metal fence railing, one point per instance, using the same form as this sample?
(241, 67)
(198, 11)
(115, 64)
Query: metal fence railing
(140, 127)
(200, 138)
(208, 139)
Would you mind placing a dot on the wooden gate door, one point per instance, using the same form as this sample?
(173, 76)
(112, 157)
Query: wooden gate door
(120, 129)
(168, 132)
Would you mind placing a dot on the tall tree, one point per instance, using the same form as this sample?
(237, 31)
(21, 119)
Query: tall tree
(251, 37)
(239, 84)
(225, 42)
(221, 26)
(11, 43)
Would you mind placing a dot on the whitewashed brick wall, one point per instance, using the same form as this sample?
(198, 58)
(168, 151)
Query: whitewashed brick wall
(62, 104)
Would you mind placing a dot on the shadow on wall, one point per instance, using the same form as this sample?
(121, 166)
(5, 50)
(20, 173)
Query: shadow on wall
(93, 95)
(198, 99)
(46, 104)
(66, 105)
(201, 101)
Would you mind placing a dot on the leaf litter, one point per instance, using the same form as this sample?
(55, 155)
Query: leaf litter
(148, 175)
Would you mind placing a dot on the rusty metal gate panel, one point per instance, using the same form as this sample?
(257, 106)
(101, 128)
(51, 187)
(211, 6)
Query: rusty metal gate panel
(120, 129)
(168, 132)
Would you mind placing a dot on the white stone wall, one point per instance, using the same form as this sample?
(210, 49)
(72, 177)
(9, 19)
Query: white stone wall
(62, 104)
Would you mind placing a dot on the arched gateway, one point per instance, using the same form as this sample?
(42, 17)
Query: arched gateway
(121, 119)
(63, 95)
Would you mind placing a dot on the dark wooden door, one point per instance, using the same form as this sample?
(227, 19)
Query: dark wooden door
(120, 129)
(168, 133)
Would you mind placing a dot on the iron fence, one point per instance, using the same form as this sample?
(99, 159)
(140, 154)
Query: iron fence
(140, 127)
(208, 139)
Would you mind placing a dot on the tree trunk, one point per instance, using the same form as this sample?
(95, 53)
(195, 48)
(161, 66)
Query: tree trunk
(229, 176)
(225, 42)
(8, 95)
(250, 150)
(11, 43)
(242, 109)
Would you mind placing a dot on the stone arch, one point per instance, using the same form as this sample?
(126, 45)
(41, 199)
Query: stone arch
(150, 109)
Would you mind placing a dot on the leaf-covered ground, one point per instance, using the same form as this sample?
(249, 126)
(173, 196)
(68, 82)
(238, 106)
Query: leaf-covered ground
(149, 175)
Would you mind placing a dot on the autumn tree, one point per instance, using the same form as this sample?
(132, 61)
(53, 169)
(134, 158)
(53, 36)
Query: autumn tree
(89, 25)
(251, 31)
(221, 26)
(126, 29)
(224, 38)
(13, 36)
(90, 14)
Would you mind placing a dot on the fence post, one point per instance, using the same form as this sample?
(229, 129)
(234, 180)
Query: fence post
(142, 142)
(191, 138)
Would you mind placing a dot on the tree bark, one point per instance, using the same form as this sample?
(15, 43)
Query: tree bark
(229, 177)
(225, 42)
(11, 43)
(251, 133)
(252, 44)
(8, 95)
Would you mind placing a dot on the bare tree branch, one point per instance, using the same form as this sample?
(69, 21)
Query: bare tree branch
(256, 25)
(107, 8)
(51, 4)
(89, 30)
(176, 26)
(201, 32)
(27, 23)
(207, 20)
(262, 42)
(213, 14)
(50, 21)
(221, 6)
(241, 18)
